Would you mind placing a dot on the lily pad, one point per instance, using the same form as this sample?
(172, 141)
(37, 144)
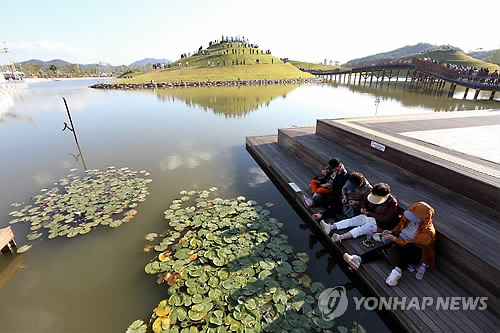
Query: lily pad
(137, 326)
(24, 248)
(34, 236)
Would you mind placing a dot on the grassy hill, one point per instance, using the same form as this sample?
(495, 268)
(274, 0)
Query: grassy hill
(267, 67)
(456, 57)
(394, 54)
(132, 74)
(310, 65)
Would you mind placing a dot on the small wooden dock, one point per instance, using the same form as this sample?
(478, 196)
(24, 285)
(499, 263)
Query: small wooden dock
(7, 241)
(464, 190)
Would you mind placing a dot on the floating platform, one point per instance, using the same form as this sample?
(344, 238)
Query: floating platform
(423, 158)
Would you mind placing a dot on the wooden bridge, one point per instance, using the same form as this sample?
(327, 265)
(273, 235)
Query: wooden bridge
(419, 74)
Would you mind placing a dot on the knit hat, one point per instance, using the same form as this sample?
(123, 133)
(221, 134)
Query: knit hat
(412, 217)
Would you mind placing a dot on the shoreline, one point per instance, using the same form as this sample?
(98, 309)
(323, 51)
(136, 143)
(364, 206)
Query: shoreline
(208, 83)
(42, 79)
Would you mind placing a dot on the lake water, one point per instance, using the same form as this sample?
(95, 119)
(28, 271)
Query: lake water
(190, 138)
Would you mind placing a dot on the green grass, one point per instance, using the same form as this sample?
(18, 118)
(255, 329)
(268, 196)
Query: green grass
(269, 67)
(310, 65)
(456, 57)
(132, 74)
(243, 72)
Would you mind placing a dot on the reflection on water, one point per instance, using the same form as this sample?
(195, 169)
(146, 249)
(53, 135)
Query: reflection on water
(9, 268)
(96, 282)
(410, 98)
(227, 101)
(8, 100)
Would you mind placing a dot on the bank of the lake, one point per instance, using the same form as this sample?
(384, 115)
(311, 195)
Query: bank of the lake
(209, 83)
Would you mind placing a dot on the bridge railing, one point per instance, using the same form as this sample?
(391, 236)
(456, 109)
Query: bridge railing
(454, 75)
(431, 68)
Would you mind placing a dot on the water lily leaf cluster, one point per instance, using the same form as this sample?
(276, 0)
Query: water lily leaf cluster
(80, 203)
(231, 270)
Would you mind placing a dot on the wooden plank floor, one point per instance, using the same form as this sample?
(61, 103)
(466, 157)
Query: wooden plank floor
(408, 189)
(284, 167)
(465, 177)
(388, 127)
(462, 254)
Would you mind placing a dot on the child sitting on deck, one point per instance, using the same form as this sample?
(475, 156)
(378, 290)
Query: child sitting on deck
(378, 210)
(413, 238)
(334, 177)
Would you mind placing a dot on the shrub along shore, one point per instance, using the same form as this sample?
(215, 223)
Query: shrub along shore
(209, 83)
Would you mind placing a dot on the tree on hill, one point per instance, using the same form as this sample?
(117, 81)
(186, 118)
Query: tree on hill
(53, 68)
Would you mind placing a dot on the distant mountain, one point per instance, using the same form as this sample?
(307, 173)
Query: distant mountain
(399, 53)
(55, 62)
(481, 55)
(492, 56)
(149, 61)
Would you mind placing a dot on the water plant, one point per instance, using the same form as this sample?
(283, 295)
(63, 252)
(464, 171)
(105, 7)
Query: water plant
(78, 204)
(229, 268)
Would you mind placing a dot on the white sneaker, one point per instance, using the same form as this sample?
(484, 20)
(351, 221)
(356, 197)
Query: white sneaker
(393, 278)
(326, 227)
(336, 238)
(353, 260)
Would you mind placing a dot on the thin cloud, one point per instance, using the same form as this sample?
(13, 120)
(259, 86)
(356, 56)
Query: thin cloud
(258, 177)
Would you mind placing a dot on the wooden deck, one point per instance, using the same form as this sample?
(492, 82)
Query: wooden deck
(468, 253)
(6, 239)
(473, 177)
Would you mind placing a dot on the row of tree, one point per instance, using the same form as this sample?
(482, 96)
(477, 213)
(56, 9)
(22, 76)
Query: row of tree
(32, 70)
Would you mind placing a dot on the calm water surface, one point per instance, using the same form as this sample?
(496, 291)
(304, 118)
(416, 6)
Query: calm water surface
(190, 138)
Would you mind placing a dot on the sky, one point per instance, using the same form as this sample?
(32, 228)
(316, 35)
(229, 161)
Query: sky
(120, 32)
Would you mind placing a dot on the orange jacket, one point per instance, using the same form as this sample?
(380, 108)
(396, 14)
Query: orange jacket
(426, 234)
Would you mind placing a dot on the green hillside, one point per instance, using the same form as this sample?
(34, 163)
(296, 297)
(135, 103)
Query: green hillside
(456, 57)
(394, 54)
(310, 65)
(256, 66)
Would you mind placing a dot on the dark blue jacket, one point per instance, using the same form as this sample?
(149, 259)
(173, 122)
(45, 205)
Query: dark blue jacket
(337, 180)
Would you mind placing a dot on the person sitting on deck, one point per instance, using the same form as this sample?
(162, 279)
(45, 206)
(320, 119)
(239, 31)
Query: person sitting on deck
(378, 211)
(413, 238)
(353, 195)
(331, 187)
